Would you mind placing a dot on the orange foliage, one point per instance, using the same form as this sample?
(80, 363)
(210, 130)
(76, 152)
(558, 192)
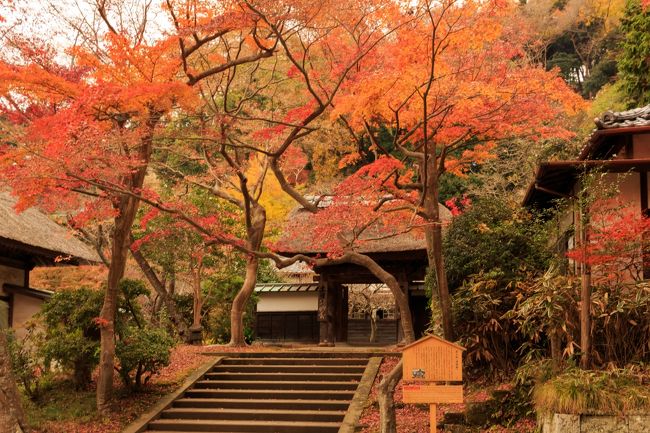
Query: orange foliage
(466, 60)
(81, 128)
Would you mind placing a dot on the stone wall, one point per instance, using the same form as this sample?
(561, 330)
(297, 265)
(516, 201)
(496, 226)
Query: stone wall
(562, 423)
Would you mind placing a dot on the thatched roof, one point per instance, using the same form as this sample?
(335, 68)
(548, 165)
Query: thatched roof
(33, 236)
(299, 236)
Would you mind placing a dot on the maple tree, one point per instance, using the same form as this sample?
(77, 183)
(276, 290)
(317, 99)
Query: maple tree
(616, 244)
(449, 86)
(289, 64)
(81, 136)
(463, 83)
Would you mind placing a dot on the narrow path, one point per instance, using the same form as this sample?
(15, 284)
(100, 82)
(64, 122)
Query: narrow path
(287, 392)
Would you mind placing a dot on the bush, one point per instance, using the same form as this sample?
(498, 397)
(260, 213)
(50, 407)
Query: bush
(479, 309)
(490, 236)
(142, 352)
(25, 364)
(71, 337)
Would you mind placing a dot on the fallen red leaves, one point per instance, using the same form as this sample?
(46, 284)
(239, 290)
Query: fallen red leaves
(413, 418)
(125, 407)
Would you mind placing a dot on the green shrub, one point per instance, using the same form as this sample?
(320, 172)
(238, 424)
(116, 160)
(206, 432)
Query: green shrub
(491, 236)
(26, 364)
(142, 352)
(71, 337)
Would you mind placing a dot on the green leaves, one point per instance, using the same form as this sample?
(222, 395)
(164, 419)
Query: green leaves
(634, 61)
(142, 352)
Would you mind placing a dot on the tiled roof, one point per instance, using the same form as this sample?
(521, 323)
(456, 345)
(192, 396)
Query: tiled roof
(286, 287)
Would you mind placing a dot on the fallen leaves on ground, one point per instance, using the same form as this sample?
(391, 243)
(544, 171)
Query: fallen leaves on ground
(64, 410)
(414, 418)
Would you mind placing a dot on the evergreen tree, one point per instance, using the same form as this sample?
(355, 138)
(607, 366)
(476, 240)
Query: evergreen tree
(634, 63)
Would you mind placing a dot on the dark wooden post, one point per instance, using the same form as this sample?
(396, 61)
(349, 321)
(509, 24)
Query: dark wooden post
(322, 312)
(331, 310)
(344, 313)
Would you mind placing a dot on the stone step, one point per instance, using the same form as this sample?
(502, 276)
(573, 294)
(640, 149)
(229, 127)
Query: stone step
(295, 361)
(269, 394)
(310, 354)
(275, 384)
(257, 414)
(278, 368)
(249, 403)
(244, 426)
(304, 376)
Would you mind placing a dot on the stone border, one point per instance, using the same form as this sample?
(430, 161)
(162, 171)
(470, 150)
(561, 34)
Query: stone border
(141, 423)
(358, 403)
(566, 423)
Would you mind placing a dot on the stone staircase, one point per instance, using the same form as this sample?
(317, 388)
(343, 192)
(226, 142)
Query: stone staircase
(268, 393)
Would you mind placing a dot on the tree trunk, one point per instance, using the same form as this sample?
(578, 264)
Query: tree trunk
(585, 293)
(556, 350)
(386, 400)
(197, 304)
(401, 298)
(433, 233)
(162, 292)
(119, 253)
(373, 324)
(11, 410)
(127, 207)
(585, 318)
(256, 223)
(436, 261)
(240, 301)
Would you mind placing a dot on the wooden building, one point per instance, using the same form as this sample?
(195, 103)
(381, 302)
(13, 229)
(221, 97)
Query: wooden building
(30, 239)
(619, 148)
(403, 255)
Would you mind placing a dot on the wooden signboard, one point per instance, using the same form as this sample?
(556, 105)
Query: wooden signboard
(427, 361)
(432, 393)
(432, 359)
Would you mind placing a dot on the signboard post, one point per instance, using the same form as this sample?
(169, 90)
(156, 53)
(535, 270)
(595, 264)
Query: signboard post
(429, 364)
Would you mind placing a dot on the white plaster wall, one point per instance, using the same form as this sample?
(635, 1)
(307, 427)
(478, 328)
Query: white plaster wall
(287, 301)
(11, 276)
(24, 309)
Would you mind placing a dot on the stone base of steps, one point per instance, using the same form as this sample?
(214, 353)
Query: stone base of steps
(277, 385)
(249, 404)
(257, 414)
(244, 426)
(270, 393)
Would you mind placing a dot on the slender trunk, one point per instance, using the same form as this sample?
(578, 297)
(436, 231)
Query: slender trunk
(556, 350)
(436, 261)
(197, 303)
(386, 400)
(107, 316)
(127, 207)
(401, 298)
(373, 325)
(435, 256)
(585, 318)
(255, 227)
(387, 386)
(585, 293)
(240, 301)
(164, 295)
(11, 410)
